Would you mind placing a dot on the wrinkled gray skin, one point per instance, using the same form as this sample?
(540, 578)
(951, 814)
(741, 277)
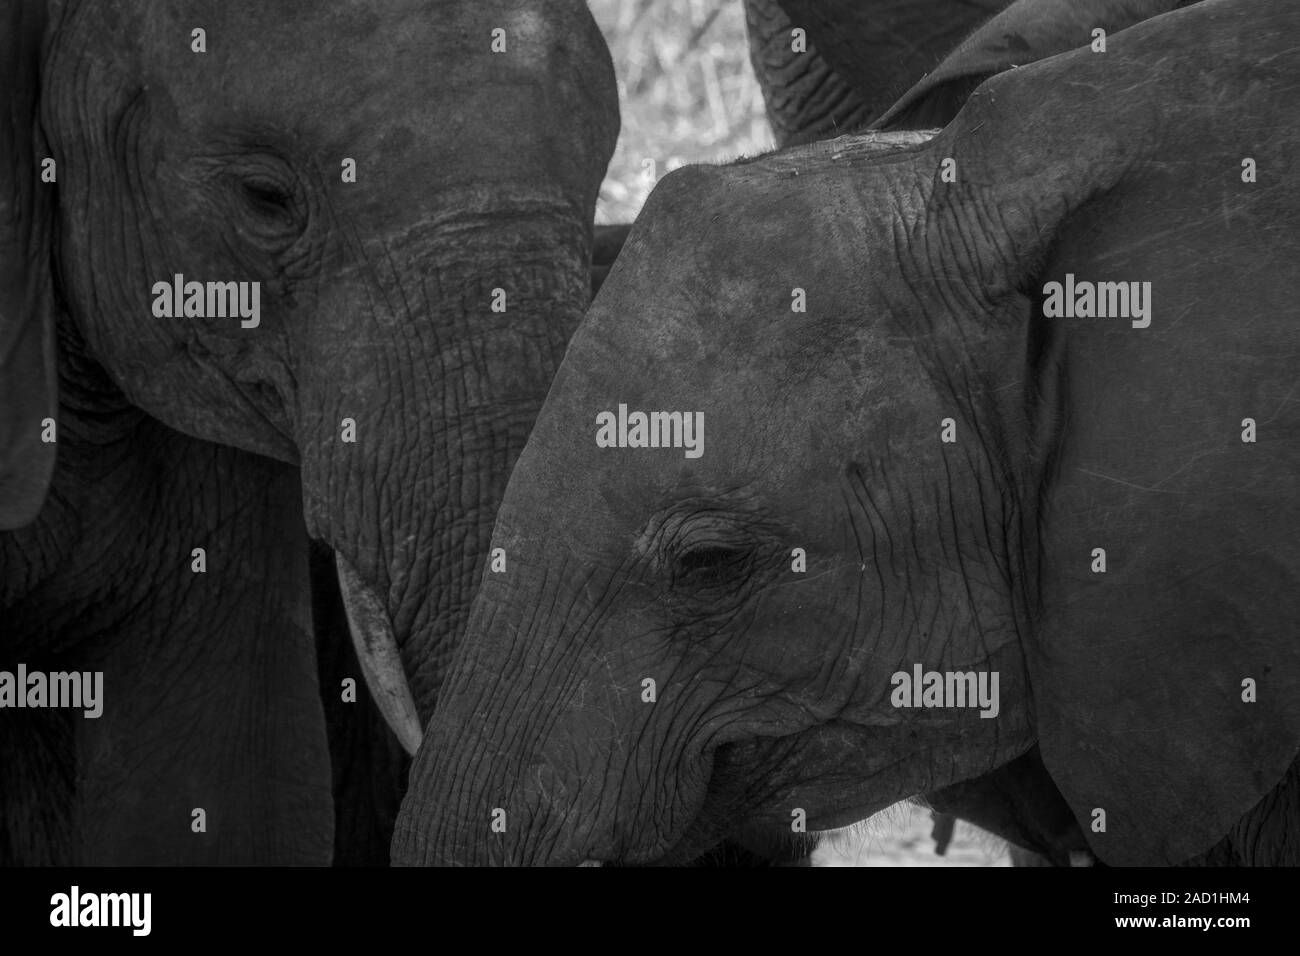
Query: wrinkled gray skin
(807, 99)
(773, 688)
(368, 765)
(475, 171)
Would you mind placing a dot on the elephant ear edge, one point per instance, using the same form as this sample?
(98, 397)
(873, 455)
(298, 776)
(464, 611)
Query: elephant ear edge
(1138, 674)
(28, 366)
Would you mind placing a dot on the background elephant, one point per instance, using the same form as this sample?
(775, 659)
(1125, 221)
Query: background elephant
(862, 56)
(409, 325)
(659, 666)
(859, 57)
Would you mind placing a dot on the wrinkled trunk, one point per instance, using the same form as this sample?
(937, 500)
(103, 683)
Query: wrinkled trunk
(572, 764)
(483, 790)
(806, 99)
(420, 411)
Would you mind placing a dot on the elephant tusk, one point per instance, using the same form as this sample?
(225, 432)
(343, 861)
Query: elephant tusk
(381, 662)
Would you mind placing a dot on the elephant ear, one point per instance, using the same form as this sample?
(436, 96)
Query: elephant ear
(1024, 32)
(1164, 568)
(28, 384)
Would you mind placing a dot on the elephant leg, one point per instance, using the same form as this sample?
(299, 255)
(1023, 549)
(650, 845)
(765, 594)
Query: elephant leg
(368, 765)
(37, 790)
(210, 748)
(942, 831)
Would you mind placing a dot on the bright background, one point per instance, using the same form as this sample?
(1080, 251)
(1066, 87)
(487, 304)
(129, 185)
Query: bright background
(685, 90)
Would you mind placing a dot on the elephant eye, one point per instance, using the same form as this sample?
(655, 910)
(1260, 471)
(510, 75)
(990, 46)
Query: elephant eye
(267, 197)
(709, 565)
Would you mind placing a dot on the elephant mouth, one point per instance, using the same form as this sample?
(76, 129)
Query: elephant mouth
(380, 658)
(744, 816)
(724, 830)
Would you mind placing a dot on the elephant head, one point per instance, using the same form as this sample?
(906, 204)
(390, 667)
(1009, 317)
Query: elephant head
(353, 238)
(915, 463)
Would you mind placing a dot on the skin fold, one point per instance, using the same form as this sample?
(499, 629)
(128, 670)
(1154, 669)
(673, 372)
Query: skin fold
(1162, 695)
(475, 172)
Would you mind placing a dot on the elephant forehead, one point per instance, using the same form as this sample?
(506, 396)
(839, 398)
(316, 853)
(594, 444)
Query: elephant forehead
(326, 56)
(745, 268)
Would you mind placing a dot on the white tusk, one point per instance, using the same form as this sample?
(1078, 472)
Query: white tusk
(1081, 858)
(381, 662)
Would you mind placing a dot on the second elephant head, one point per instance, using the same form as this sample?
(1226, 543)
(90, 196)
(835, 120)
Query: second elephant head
(936, 516)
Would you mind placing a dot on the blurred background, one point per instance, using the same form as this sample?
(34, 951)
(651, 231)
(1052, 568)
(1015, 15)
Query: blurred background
(687, 94)
(685, 90)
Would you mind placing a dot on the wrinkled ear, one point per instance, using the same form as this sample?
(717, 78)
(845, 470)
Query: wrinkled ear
(1026, 31)
(1163, 564)
(28, 386)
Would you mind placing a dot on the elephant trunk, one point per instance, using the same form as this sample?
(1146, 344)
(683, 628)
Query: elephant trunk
(546, 748)
(484, 791)
(412, 427)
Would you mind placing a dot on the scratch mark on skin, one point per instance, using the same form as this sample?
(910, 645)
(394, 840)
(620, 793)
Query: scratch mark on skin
(1163, 481)
(1130, 484)
(1186, 311)
(1286, 400)
(1193, 460)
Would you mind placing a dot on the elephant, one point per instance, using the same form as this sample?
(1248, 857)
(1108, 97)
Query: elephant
(944, 512)
(1022, 33)
(269, 273)
(861, 57)
(854, 59)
